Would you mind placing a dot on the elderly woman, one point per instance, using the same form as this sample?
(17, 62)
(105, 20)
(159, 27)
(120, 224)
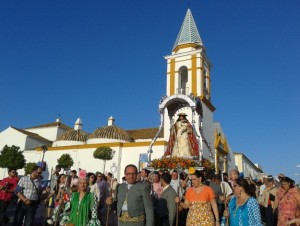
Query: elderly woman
(82, 208)
(243, 209)
(200, 199)
(288, 201)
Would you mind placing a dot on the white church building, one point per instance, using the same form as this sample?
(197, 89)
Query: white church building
(188, 90)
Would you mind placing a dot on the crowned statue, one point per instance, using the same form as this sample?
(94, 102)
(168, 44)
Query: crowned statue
(182, 141)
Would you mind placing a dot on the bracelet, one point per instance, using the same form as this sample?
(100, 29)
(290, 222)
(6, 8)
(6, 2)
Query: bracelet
(25, 200)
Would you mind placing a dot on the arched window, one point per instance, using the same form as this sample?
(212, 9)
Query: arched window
(183, 80)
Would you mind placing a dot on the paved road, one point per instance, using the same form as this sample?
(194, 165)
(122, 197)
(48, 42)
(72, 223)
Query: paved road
(38, 216)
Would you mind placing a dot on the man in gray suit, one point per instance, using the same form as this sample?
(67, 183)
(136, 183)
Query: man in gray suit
(166, 205)
(134, 204)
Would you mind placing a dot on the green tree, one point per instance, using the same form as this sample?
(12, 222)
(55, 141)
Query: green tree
(104, 153)
(28, 167)
(12, 157)
(65, 161)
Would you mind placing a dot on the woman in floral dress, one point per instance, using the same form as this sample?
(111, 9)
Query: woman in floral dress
(288, 202)
(82, 208)
(200, 199)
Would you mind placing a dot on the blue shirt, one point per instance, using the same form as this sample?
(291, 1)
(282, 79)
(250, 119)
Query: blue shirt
(247, 214)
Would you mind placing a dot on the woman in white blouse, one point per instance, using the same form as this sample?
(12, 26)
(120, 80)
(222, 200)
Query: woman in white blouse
(93, 186)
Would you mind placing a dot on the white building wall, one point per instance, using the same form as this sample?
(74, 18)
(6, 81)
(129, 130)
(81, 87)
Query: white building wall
(83, 158)
(247, 167)
(103, 140)
(50, 133)
(31, 143)
(66, 143)
(10, 137)
(207, 129)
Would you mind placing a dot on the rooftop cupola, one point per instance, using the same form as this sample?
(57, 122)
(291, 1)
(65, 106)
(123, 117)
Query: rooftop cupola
(78, 124)
(58, 121)
(111, 121)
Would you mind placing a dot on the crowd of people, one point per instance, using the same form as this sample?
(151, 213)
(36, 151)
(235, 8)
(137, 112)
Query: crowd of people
(151, 198)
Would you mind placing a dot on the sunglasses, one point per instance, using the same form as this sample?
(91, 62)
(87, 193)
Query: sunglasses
(39, 173)
(13, 171)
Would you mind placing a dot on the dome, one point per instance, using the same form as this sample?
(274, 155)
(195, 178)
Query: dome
(110, 132)
(73, 135)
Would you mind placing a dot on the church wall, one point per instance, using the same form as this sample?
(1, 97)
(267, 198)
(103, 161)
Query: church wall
(50, 133)
(31, 144)
(83, 158)
(103, 140)
(66, 143)
(11, 137)
(31, 156)
(130, 155)
(207, 129)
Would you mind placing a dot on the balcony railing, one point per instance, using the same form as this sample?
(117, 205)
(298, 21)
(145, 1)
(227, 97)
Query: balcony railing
(183, 91)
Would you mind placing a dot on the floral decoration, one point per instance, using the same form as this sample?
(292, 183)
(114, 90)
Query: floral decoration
(82, 174)
(173, 163)
(208, 164)
(180, 162)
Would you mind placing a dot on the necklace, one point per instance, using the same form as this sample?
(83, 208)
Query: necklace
(239, 202)
(198, 189)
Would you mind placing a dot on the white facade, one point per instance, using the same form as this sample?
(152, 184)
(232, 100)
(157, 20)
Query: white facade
(82, 156)
(11, 136)
(23, 139)
(246, 166)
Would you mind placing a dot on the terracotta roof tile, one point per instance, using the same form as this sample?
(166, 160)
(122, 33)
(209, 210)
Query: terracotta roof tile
(32, 135)
(146, 133)
(51, 124)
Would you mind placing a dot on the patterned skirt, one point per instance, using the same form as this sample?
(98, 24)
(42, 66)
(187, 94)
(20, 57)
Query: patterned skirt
(200, 214)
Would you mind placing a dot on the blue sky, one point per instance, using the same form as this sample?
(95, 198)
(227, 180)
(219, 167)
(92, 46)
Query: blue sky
(93, 59)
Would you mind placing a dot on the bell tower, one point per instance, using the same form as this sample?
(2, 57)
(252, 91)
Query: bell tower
(188, 90)
(188, 67)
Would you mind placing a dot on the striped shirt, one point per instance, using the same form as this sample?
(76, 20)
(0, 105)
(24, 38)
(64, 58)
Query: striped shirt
(26, 187)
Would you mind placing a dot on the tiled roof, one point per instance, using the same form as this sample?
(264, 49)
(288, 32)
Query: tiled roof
(32, 135)
(73, 135)
(110, 132)
(52, 124)
(188, 33)
(147, 133)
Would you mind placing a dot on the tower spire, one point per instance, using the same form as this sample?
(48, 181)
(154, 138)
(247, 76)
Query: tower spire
(188, 33)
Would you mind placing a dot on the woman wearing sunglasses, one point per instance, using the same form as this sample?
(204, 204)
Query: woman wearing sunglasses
(243, 209)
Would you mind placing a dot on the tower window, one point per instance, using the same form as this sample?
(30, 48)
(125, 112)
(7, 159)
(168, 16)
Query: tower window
(183, 81)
